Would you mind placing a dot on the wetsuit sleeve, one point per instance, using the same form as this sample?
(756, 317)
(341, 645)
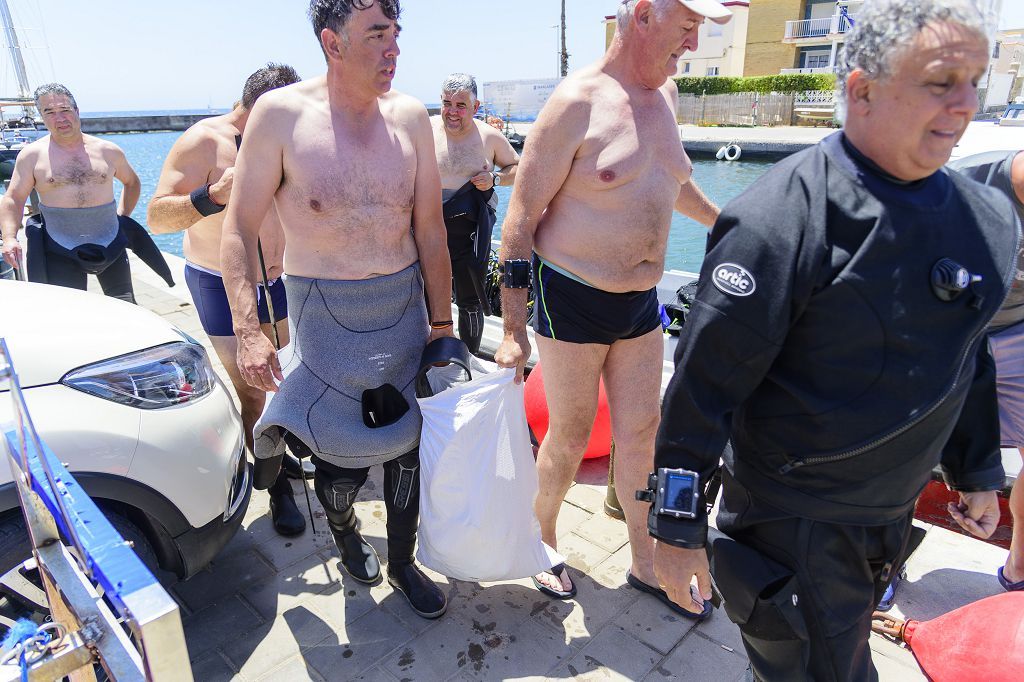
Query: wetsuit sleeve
(752, 285)
(971, 460)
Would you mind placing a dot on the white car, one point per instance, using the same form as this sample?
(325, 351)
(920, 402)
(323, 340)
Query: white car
(132, 407)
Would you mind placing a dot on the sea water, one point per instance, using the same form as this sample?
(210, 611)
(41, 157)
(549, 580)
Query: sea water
(720, 180)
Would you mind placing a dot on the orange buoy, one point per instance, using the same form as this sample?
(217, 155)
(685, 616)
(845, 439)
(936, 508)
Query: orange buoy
(537, 416)
(980, 642)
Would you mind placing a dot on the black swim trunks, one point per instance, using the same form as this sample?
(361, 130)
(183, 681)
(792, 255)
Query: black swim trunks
(569, 310)
(207, 289)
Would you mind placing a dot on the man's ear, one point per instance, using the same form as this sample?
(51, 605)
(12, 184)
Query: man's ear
(859, 92)
(643, 13)
(331, 42)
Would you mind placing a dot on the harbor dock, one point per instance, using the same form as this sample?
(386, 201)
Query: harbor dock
(273, 608)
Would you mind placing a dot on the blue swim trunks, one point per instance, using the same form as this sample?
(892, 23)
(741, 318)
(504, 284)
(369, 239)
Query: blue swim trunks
(207, 289)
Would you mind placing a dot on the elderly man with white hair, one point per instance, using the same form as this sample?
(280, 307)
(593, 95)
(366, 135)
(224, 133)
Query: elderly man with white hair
(592, 205)
(838, 339)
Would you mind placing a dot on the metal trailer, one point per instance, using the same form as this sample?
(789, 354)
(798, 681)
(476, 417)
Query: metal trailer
(106, 607)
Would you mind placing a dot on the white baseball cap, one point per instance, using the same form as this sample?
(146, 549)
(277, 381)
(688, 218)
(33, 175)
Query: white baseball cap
(715, 11)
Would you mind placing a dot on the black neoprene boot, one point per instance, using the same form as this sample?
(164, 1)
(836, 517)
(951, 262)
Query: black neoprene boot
(288, 520)
(357, 556)
(424, 596)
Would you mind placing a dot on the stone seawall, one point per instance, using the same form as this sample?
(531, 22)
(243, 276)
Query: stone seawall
(140, 124)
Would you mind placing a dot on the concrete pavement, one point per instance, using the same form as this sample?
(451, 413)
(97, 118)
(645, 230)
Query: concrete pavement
(270, 608)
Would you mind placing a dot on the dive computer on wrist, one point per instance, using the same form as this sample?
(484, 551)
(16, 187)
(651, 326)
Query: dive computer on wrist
(672, 492)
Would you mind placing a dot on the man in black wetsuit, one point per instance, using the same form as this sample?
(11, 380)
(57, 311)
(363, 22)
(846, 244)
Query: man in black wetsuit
(838, 339)
(473, 158)
(1005, 171)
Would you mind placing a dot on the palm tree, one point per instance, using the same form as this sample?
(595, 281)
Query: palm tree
(565, 54)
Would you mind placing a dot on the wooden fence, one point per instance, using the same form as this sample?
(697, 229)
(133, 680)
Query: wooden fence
(754, 109)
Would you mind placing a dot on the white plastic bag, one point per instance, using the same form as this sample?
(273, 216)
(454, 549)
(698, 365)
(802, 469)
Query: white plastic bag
(478, 482)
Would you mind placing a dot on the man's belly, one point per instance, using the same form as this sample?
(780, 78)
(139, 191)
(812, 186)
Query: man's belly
(202, 242)
(349, 259)
(616, 255)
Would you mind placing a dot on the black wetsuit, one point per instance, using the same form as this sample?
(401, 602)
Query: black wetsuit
(817, 344)
(469, 220)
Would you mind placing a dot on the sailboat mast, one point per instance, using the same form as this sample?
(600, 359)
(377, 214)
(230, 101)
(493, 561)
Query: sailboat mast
(15, 48)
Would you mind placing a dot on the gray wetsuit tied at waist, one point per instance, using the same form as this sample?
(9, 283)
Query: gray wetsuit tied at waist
(74, 227)
(349, 374)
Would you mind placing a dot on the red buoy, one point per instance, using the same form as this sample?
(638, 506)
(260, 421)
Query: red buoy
(980, 642)
(537, 416)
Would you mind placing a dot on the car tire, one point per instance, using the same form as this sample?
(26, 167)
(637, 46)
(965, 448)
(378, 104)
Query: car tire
(21, 593)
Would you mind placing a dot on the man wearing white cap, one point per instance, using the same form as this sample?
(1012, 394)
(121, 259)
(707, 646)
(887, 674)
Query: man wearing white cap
(592, 206)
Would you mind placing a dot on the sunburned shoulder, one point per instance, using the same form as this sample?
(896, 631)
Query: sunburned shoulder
(104, 146)
(291, 98)
(402, 105)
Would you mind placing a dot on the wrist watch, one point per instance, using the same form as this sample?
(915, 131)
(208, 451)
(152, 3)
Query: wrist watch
(673, 492)
(496, 178)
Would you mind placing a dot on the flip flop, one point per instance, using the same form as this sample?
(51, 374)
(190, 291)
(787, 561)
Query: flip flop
(659, 594)
(1007, 585)
(558, 570)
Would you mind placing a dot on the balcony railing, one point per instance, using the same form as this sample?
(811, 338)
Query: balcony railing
(819, 28)
(809, 70)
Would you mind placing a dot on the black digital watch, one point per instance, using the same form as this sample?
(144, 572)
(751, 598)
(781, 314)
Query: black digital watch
(672, 492)
(516, 273)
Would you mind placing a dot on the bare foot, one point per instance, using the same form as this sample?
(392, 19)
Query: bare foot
(552, 581)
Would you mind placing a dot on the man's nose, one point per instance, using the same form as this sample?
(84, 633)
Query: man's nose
(964, 99)
(392, 50)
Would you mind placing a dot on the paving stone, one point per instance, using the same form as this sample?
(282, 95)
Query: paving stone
(604, 531)
(294, 669)
(611, 656)
(719, 629)
(212, 667)
(353, 649)
(612, 571)
(271, 645)
(894, 662)
(698, 659)
(217, 624)
(649, 621)
(495, 605)
(524, 650)
(588, 497)
(569, 517)
(293, 586)
(280, 551)
(579, 620)
(581, 553)
(226, 575)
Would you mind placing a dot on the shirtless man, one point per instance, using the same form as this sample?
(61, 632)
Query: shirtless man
(469, 154)
(598, 182)
(193, 190)
(74, 176)
(350, 166)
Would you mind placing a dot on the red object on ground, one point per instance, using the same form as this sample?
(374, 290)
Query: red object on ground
(600, 443)
(980, 642)
(931, 508)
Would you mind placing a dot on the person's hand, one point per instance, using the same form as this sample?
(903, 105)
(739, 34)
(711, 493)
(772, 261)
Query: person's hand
(977, 513)
(436, 334)
(220, 191)
(12, 253)
(514, 351)
(258, 363)
(676, 568)
(483, 181)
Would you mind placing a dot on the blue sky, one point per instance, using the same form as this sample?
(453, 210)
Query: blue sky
(120, 55)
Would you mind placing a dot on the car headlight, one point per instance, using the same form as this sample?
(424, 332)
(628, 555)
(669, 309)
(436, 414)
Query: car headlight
(149, 379)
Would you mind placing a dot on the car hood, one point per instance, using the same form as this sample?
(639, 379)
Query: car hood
(51, 330)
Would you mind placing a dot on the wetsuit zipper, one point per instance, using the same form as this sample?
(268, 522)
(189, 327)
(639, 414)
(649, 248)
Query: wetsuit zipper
(796, 464)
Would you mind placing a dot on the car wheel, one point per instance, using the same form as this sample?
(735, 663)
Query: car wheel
(21, 592)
